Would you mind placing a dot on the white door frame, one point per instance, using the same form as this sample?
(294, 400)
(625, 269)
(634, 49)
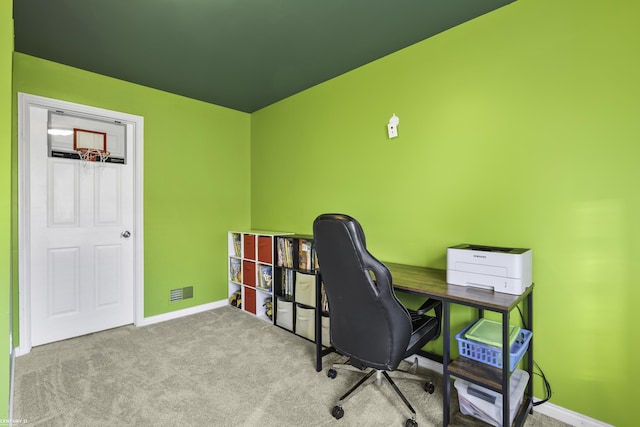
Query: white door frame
(25, 101)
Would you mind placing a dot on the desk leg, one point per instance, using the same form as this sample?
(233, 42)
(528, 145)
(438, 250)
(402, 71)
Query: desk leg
(318, 340)
(318, 321)
(506, 414)
(530, 350)
(446, 384)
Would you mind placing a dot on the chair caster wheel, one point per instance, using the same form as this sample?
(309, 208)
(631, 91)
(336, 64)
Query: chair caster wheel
(429, 387)
(337, 412)
(411, 423)
(331, 373)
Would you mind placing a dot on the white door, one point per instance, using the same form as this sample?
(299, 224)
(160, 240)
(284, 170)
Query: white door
(81, 237)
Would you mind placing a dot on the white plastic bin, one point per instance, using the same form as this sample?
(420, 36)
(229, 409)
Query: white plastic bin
(284, 314)
(305, 322)
(485, 404)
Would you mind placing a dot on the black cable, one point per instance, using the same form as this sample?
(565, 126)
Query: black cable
(547, 386)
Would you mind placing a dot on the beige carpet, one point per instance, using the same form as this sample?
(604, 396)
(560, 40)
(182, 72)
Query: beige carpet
(218, 368)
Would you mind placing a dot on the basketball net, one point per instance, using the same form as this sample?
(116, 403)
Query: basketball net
(92, 155)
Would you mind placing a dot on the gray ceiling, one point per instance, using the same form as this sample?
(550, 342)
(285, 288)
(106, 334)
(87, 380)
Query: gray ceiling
(241, 54)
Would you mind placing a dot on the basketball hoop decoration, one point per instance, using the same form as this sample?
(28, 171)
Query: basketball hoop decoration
(92, 155)
(90, 145)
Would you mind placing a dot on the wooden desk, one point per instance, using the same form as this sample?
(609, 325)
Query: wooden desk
(431, 283)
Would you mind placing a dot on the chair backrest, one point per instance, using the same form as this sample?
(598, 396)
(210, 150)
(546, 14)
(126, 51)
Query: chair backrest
(367, 321)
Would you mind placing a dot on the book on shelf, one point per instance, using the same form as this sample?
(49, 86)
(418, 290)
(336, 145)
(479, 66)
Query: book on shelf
(285, 252)
(266, 277)
(280, 252)
(237, 244)
(235, 270)
(304, 254)
(287, 284)
(324, 304)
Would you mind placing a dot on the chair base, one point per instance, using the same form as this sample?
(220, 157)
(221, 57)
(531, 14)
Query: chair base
(338, 412)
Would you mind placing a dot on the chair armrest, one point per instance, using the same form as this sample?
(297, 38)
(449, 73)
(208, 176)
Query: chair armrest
(428, 305)
(432, 304)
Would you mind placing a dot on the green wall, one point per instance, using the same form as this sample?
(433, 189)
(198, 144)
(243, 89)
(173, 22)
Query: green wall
(519, 128)
(196, 176)
(6, 51)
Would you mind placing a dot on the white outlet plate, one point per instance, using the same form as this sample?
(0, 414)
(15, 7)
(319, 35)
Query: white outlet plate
(392, 130)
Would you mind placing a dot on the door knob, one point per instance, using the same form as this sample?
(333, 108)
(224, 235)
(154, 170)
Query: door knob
(125, 234)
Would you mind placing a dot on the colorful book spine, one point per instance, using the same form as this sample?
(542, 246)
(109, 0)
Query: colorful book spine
(287, 284)
(237, 244)
(285, 252)
(305, 258)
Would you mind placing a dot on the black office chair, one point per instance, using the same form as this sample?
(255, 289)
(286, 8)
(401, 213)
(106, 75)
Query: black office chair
(368, 324)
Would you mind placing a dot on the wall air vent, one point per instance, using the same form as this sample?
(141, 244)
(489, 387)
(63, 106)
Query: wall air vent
(180, 294)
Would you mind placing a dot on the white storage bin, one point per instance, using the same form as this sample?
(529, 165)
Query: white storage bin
(326, 332)
(485, 404)
(305, 290)
(305, 322)
(284, 314)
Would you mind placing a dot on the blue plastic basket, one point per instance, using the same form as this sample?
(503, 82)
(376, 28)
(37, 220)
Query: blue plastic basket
(493, 355)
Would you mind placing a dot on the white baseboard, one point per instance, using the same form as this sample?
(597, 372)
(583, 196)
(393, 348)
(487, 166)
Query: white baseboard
(429, 364)
(181, 313)
(549, 409)
(567, 416)
(21, 350)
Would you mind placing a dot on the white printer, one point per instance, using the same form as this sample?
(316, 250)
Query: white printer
(505, 270)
